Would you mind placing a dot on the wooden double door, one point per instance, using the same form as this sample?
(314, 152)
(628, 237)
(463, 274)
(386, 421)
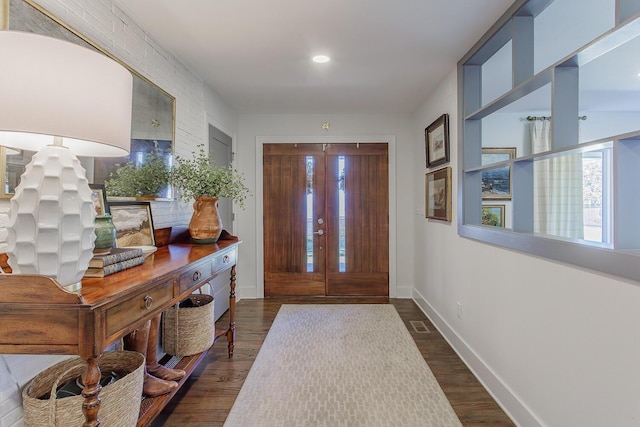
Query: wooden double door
(326, 219)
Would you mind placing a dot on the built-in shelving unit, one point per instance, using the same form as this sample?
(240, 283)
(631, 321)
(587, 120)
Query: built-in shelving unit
(563, 91)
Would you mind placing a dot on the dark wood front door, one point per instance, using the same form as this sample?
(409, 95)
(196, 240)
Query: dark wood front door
(326, 219)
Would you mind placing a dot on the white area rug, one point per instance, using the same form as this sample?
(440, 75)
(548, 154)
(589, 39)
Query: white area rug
(340, 365)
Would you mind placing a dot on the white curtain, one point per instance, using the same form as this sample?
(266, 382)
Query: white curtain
(558, 206)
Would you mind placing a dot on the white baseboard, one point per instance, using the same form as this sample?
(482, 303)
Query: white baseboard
(508, 401)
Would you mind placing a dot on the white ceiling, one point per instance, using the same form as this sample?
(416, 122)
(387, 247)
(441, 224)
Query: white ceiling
(387, 55)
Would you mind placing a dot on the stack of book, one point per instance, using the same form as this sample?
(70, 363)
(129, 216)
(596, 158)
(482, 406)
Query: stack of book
(117, 260)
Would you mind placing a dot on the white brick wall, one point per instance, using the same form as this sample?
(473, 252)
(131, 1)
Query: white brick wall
(105, 24)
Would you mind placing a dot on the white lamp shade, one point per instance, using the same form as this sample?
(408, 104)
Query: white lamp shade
(53, 87)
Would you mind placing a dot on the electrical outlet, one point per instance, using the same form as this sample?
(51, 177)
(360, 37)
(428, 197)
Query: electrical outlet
(459, 310)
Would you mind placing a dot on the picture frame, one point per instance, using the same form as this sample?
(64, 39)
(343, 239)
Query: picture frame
(133, 222)
(436, 137)
(438, 194)
(99, 197)
(493, 215)
(496, 182)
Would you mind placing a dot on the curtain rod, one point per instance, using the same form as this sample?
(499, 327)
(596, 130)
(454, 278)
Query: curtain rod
(534, 118)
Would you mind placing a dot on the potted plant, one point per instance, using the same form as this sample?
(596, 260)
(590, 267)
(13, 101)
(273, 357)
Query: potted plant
(200, 180)
(144, 181)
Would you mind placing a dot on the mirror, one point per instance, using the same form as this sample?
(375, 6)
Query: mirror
(153, 112)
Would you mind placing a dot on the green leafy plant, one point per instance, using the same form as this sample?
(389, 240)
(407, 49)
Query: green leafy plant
(197, 177)
(147, 179)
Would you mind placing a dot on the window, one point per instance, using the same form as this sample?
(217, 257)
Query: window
(571, 118)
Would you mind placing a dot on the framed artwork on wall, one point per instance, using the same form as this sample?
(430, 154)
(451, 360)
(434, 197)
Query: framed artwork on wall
(438, 194)
(133, 222)
(436, 137)
(493, 215)
(496, 182)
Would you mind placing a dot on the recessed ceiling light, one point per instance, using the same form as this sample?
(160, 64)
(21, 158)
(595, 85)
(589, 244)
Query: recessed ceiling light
(321, 59)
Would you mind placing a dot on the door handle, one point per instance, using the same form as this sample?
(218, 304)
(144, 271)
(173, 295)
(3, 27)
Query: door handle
(319, 232)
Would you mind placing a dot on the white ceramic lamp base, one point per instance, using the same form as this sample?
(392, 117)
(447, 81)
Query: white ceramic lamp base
(51, 221)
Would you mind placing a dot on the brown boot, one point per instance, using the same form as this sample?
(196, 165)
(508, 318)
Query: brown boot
(153, 367)
(152, 386)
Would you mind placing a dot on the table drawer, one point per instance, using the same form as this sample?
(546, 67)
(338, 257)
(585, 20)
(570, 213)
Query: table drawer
(195, 276)
(225, 261)
(124, 314)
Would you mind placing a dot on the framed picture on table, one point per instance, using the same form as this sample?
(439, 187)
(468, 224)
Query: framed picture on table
(133, 222)
(99, 198)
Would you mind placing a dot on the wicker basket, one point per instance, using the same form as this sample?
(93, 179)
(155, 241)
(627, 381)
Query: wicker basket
(189, 330)
(120, 401)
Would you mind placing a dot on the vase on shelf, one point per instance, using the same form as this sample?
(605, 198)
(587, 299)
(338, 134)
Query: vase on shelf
(105, 235)
(205, 225)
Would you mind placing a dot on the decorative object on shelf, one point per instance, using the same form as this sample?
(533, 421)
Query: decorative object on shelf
(116, 267)
(99, 197)
(189, 328)
(438, 194)
(145, 181)
(116, 255)
(63, 100)
(205, 225)
(105, 235)
(200, 180)
(436, 137)
(133, 222)
(496, 182)
(493, 215)
(120, 400)
(162, 236)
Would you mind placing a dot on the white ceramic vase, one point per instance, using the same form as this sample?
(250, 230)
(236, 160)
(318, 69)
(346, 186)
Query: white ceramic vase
(51, 220)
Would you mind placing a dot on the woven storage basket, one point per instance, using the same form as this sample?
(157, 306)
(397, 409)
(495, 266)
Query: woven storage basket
(189, 330)
(120, 401)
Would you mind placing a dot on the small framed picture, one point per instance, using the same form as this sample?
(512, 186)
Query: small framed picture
(496, 182)
(99, 198)
(493, 215)
(436, 137)
(438, 194)
(133, 222)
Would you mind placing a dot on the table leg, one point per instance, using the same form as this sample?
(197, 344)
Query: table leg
(231, 332)
(91, 392)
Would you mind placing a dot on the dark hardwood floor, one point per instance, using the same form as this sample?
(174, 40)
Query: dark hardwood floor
(208, 395)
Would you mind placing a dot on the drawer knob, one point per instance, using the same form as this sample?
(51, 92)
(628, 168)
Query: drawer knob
(225, 259)
(148, 301)
(196, 276)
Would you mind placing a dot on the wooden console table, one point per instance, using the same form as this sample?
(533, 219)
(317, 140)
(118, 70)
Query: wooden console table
(39, 317)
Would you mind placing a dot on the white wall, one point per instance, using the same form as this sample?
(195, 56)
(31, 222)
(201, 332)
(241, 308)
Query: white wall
(102, 22)
(256, 129)
(557, 345)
